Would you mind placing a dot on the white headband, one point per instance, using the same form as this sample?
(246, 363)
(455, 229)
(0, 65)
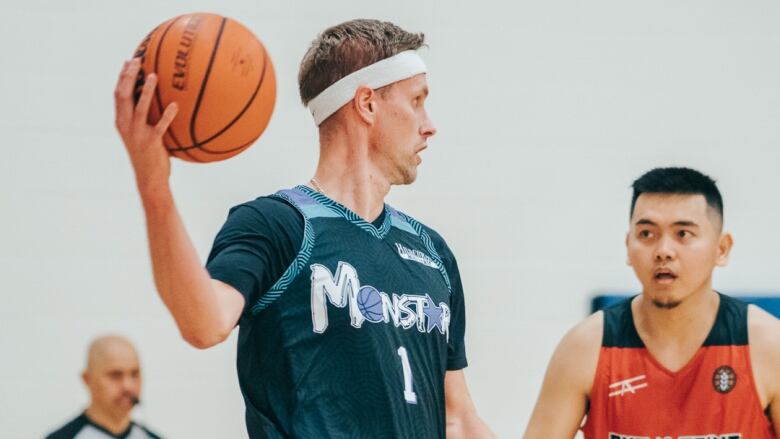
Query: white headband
(384, 72)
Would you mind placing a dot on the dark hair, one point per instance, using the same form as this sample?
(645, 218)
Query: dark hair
(348, 47)
(678, 181)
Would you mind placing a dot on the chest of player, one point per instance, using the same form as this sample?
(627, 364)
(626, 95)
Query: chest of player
(713, 396)
(356, 279)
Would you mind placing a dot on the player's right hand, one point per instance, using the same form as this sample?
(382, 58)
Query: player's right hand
(143, 141)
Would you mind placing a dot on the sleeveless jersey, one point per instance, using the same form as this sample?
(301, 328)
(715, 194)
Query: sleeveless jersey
(352, 340)
(712, 397)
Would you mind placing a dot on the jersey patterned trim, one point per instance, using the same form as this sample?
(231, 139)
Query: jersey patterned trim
(312, 204)
(308, 209)
(420, 231)
(348, 214)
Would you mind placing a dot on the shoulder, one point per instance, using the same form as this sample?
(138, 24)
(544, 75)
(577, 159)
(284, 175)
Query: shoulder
(576, 357)
(764, 339)
(150, 433)
(265, 206)
(261, 213)
(586, 336)
(436, 238)
(69, 430)
(763, 330)
(441, 246)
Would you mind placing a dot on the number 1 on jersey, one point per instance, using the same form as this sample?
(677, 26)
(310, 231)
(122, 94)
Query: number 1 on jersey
(409, 394)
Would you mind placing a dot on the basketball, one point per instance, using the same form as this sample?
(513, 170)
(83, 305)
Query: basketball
(221, 77)
(370, 304)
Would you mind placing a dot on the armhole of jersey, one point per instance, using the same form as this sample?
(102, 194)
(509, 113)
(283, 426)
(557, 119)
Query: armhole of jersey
(599, 358)
(749, 359)
(296, 265)
(426, 239)
(584, 423)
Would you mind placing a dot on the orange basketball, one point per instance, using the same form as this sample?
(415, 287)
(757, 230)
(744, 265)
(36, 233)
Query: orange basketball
(221, 77)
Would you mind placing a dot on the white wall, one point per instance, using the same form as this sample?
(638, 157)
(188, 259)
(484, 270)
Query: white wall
(546, 111)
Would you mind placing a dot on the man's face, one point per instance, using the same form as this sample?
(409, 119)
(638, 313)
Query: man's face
(403, 129)
(674, 244)
(114, 379)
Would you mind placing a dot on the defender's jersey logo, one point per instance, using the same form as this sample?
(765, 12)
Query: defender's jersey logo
(724, 379)
(416, 256)
(367, 303)
(630, 385)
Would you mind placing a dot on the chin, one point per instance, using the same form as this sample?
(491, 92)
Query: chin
(664, 299)
(408, 176)
(666, 303)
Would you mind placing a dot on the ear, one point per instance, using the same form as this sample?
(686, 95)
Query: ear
(85, 378)
(725, 243)
(365, 104)
(628, 260)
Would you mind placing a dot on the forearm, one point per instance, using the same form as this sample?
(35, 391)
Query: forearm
(183, 283)
(467, 426)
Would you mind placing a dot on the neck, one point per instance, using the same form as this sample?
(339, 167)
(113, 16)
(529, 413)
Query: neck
(691, 319)
(347, 174)
(113, 422)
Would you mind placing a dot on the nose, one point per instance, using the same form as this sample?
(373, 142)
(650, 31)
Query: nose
(130, 384)
(665, 251)
(427, 129)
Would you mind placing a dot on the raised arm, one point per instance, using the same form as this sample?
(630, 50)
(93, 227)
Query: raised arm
(205, 310)
(563, 400)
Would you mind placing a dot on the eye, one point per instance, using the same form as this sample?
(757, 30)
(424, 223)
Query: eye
(645, 233)
(684, 234)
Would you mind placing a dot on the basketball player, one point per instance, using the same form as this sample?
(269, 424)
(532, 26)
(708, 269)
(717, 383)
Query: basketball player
(679, 360)
(113, 377)
(350, 312)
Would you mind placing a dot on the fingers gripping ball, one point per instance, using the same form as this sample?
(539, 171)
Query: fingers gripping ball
(222, 79)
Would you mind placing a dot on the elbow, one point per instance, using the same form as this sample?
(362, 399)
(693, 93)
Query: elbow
(456, 425)
(467, 425)
(201, 339)
(454, 428)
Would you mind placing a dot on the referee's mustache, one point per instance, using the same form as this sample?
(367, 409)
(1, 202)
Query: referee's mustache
(134, 399)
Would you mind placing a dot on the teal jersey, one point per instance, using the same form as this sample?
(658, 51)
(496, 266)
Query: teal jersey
(355, 337)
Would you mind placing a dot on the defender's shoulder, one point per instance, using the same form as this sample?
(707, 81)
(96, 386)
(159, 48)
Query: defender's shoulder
(71, 429)
(764, 331)
(577, 355)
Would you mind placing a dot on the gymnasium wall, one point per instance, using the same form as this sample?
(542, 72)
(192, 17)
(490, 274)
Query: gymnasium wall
(546, 110)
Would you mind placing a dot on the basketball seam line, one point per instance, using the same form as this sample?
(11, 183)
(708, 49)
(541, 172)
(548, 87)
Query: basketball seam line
(201, 145)
(205, 82)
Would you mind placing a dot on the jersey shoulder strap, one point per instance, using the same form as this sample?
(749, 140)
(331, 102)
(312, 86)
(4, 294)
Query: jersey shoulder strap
(730, 328)
(619, 329)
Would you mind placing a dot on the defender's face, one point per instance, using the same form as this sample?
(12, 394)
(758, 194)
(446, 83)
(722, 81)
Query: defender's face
(674, 244)
(403, 129)
(115, 383)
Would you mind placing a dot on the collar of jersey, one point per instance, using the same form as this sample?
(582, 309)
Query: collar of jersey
(349, 215)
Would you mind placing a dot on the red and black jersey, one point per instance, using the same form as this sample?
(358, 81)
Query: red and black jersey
(714, 396)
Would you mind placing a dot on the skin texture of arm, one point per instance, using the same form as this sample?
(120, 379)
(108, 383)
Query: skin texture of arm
(462, 418)
(205, 310)
(764, 336)
(563, 400)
